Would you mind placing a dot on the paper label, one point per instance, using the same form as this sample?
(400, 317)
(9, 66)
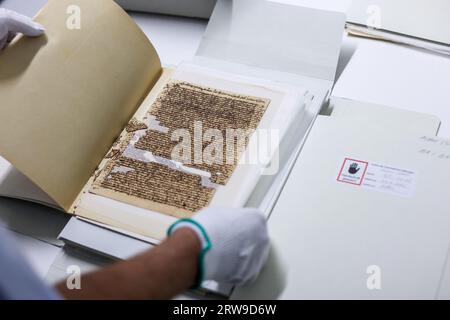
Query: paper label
(377, 177)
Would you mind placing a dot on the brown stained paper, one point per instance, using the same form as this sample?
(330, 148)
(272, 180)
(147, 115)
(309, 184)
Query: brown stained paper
(158, 183)
(67, 95)
(139, 181)
(135, 125)
(182, 104)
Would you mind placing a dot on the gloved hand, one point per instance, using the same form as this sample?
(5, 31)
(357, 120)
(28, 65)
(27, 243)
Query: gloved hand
(235, 244)
(12, 23)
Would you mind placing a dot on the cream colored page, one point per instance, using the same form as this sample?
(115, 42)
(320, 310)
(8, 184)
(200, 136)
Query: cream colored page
(119, 214)
(67, 95)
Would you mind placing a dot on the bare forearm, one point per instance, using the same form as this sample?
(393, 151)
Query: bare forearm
(160, 273)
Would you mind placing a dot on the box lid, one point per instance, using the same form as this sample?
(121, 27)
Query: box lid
(281, 36)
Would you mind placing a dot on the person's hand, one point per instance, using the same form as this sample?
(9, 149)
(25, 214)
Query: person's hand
(235, 244)
(12, 23)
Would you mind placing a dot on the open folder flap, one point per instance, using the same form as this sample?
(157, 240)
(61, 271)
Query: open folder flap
(66, 96)
(278, 36)
(389, 117)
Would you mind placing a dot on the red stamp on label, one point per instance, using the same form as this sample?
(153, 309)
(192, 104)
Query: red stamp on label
(353, 171)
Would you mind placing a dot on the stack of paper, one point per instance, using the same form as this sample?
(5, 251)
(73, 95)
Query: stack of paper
(418, 23)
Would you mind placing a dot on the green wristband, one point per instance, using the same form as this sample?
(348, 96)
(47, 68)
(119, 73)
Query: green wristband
(206, 246)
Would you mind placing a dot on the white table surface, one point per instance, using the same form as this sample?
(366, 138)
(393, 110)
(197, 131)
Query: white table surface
(382, 73)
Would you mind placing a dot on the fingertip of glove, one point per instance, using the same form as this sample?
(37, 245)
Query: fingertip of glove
(36, 30)
(39, 26)
(18, 23)
(259, 217)
(253, 211)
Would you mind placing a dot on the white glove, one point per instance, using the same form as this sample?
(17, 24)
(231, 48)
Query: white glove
(235, 244)
(12, 23)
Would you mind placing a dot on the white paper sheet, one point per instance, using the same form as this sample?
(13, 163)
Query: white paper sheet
(330, 233)
(427, 19)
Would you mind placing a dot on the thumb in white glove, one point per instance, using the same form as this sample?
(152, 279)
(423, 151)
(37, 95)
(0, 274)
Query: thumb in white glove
(12, 23)
(235, 244)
